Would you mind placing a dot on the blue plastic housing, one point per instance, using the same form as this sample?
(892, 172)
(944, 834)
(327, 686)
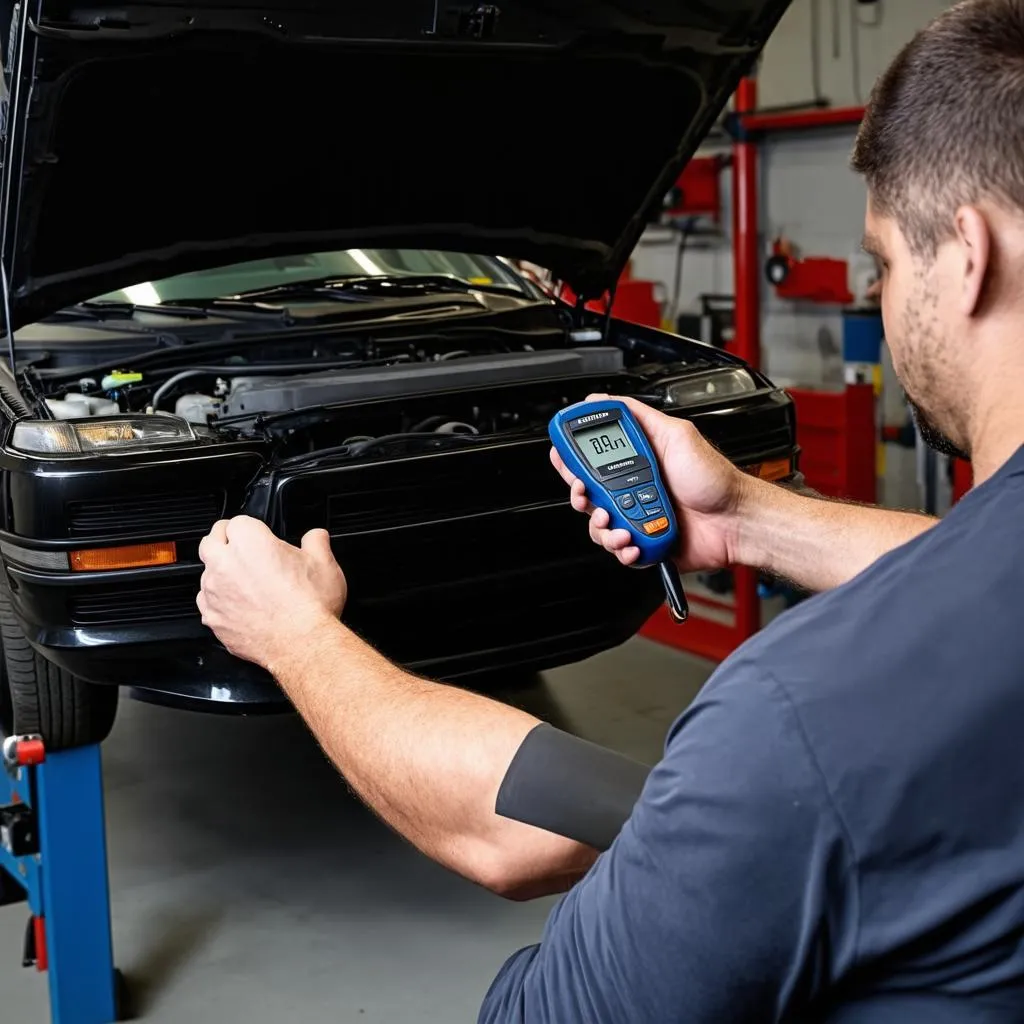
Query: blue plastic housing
(629, 488)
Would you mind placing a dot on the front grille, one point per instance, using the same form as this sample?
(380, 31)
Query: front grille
(132, 604)
(767, 435)
(441, 489)
(169, 514)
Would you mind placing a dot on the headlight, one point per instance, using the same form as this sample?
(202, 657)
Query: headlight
(82, 437)
(710, 387)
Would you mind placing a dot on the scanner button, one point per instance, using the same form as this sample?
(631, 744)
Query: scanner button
(626, 501)
(656, 526)
(654, 510)
(647, 495)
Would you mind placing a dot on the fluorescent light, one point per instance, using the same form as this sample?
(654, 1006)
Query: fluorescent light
(142, 294)
(365, 262)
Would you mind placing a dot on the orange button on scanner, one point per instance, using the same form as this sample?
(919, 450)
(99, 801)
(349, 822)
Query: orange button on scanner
(656, 525)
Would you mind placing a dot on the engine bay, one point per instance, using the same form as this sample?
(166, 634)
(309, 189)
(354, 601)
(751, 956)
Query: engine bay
(366, 396)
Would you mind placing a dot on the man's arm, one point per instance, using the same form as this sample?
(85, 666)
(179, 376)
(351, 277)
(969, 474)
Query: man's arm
(428, 758)
(730, 895)
(728, 517)
(814, 541)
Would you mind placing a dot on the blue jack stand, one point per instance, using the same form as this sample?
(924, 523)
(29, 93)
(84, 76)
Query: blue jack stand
(53, 852)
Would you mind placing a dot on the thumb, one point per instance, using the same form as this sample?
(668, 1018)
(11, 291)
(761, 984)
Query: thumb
(656, 425)
(318, 544)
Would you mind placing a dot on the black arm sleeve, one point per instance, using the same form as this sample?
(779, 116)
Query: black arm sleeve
(571, 787)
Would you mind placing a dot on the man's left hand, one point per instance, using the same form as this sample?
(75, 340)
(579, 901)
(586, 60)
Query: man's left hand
(262, 597)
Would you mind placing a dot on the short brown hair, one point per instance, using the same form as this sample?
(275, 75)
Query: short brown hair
(944, 125)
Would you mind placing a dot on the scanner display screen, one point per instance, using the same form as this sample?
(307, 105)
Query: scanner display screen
(604, 444)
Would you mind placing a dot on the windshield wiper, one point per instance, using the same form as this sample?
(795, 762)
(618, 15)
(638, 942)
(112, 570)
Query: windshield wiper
(102, 309)
(354, 288)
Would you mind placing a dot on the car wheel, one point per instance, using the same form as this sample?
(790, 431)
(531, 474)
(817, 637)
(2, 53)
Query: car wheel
(38, 697)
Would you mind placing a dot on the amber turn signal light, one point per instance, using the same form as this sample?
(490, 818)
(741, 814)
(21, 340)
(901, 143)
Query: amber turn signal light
(135, 556)
(775, 469)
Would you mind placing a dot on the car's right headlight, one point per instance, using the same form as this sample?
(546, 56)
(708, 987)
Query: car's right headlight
(92, 436)
(709, 386)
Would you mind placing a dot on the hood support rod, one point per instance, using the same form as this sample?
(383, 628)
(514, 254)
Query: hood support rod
(7, 315)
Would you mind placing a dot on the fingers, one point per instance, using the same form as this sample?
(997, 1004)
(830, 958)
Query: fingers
(217, 538)
(247, 528)
(656, 425)
(318, 544)
(627, 556)
(612, 541)
(563, 471)
(578, 497)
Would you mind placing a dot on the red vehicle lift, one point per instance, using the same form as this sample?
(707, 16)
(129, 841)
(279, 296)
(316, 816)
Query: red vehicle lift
(705, 634)
(835, 431)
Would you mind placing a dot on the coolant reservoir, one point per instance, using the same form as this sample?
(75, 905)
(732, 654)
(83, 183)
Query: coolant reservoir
(77, 406)
(196, 408)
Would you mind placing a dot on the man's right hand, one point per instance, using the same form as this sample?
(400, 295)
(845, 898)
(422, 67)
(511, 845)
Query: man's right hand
(707, 490)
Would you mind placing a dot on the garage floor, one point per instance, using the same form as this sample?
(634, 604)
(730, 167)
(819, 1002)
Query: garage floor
(249, 885)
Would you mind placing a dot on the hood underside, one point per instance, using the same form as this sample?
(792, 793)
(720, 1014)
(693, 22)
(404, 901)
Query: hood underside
(164, 139)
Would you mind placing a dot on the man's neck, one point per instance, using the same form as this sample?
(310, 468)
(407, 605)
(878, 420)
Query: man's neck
(997, 426)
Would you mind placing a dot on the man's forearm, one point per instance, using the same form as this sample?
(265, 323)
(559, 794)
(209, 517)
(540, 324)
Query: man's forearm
(429, 759)
(815, 542)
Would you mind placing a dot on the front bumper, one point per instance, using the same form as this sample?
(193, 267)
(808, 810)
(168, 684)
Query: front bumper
(532, 618)
(458, 562)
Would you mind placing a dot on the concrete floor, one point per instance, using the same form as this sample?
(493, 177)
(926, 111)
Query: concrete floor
(248, 885)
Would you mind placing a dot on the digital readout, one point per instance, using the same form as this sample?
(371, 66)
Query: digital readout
(604, 444)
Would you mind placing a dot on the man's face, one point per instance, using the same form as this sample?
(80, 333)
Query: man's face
(922, 329)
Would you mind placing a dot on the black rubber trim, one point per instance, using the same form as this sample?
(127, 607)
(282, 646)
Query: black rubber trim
(569, 786)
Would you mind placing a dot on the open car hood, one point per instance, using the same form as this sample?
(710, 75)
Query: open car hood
(151, 139)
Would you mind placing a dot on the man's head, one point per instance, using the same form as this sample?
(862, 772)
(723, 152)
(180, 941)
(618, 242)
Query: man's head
(941, 148)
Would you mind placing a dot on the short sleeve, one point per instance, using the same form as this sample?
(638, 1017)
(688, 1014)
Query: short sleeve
(730, 894)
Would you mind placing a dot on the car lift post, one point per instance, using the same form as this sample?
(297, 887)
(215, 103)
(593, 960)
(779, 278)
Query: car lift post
(53, 852)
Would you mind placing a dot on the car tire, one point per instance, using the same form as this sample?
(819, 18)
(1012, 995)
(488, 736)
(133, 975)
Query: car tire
(38, 697)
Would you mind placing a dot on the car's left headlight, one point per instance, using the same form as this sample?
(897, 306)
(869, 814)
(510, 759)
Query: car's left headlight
(710, 386)
(90, 436)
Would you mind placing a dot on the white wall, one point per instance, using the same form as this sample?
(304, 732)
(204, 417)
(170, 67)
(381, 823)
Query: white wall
(851, 54)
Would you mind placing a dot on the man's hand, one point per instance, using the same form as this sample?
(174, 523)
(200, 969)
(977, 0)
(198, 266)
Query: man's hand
(707, 491)
(264, 598)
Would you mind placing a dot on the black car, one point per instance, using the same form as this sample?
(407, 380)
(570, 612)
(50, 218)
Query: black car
(236, 260)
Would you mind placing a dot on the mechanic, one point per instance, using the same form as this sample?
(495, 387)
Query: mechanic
(836, 830)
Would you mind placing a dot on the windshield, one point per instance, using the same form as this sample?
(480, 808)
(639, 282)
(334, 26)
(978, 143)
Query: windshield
(284, 270)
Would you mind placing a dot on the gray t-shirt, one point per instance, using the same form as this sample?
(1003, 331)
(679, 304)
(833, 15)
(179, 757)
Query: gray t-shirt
(836, 831)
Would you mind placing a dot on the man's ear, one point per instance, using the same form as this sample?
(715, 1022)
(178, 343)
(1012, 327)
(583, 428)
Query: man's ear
(975, 241)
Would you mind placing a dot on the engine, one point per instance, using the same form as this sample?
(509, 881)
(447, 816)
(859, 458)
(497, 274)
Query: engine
(372, 399)
(249, 396)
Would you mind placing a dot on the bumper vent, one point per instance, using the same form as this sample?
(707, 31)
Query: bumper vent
(167, 514)
(442, 489)
(129, 605)
(772, 436)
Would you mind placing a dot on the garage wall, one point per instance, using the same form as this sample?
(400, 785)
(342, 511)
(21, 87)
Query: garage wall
(851, 52)
(808, 193)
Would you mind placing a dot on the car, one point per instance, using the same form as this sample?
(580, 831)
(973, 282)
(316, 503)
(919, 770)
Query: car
(260, 261)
